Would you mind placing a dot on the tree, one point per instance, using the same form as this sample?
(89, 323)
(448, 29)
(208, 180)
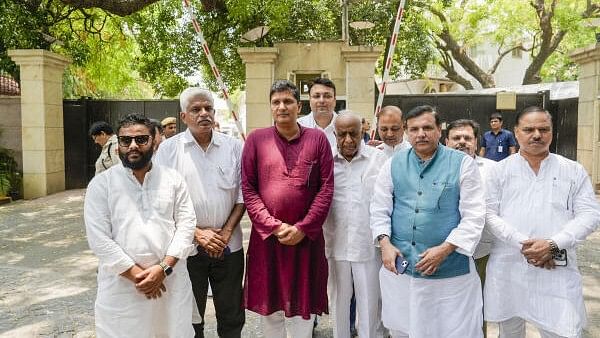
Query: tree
(114, 43)
(538, 27)
(103, 56)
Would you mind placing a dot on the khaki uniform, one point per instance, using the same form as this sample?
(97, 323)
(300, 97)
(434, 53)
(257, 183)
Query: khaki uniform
(109, 155)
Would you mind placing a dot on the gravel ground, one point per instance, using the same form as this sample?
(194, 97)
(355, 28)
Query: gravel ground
(48, 275)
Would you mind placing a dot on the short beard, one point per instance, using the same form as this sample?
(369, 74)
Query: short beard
(139, 164)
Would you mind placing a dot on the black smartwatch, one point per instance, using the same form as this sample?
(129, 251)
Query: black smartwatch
(380, 237)
(166, 268)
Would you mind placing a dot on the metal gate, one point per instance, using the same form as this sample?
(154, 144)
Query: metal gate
(80, 151)
(479, 107)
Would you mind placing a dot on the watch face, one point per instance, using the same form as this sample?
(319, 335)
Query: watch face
(168, 270)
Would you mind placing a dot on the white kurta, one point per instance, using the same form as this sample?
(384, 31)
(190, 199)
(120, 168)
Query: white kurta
(558, 203)
(309, 122)
(213, 177)
(130, 223)
(485, 244)
(353, 263)
(389, 151)
(448, 307)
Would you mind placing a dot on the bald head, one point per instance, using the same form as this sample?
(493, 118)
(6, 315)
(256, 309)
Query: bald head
(389, 125)
(348, 127)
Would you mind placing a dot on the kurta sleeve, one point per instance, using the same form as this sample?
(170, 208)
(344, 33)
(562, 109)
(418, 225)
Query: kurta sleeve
(98, 228)
(382, 203)
(312, 223)
(185, 223)
(495, 224)
(262, 221)
(586, 211)
(471, 206)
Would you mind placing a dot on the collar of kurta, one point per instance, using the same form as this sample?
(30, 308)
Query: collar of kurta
(329, 126)
(362, 152)
(215, 140)
(302, 129)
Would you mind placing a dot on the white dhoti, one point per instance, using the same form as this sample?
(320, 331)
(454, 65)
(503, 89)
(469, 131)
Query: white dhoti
(364, 277)
(425, 308)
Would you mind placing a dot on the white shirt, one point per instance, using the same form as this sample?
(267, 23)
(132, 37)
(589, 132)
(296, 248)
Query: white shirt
(471, 206)
(558, 203)
(485, 244)
(213, 177)
(130, 223)
(389, 151)
(309, 122)
(346, 230)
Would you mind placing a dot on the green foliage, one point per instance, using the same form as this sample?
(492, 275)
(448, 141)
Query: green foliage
(153, 52)
(103, 55)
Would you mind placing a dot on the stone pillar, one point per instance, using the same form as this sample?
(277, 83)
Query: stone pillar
(42, 120)
(360, 77)
(260, 74)
(588, 118)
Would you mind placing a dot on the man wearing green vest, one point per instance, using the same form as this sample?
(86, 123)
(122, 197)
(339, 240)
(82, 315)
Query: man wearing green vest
(429, 209)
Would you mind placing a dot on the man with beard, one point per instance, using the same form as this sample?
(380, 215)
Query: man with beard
(210, 163)
(428, 211)
(140, 223)
(540, 207)
(391, 131)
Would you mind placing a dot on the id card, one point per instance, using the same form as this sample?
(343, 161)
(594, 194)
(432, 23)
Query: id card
(500, 149)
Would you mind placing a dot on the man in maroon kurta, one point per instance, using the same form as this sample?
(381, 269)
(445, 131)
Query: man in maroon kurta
(287, 183)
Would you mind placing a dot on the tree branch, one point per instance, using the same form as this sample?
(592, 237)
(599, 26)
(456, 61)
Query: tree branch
(501, 56)
(458, 53)
(447, 64)
(118, 7)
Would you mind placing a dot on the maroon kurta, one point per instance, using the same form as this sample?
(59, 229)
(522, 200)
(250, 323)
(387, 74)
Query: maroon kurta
(290, 182)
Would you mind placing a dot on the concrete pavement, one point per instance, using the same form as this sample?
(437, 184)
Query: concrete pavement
(48, 273)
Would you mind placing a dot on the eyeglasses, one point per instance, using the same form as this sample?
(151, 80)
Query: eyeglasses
(140, 140)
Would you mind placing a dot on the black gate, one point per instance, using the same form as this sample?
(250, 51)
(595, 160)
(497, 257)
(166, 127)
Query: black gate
(80, 151)
(479, 107)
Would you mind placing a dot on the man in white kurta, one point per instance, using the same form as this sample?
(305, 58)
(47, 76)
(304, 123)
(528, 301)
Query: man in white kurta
(209, 162)
(538, 203)
(139, 222)
(322, 109)
(391, 131)
(439, 295)
(353, 263)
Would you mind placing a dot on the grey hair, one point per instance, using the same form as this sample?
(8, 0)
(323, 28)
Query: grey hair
(343, 114)
(190, 93)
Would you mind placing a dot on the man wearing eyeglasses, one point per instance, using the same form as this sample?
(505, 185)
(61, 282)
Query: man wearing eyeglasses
(540, 206)
(210, 163)
(140, 223)
(322, 105)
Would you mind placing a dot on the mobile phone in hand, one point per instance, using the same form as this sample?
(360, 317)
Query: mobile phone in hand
(401, 264)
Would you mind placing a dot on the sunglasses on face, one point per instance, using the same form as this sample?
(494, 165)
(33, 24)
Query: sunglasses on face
(140, 140)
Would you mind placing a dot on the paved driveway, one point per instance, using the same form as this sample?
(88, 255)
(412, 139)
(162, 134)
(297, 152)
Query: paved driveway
(48, 273)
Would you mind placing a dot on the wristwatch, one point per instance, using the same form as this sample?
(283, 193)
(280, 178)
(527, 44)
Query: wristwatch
(166, 268)
(554, 250)
(380, 237)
